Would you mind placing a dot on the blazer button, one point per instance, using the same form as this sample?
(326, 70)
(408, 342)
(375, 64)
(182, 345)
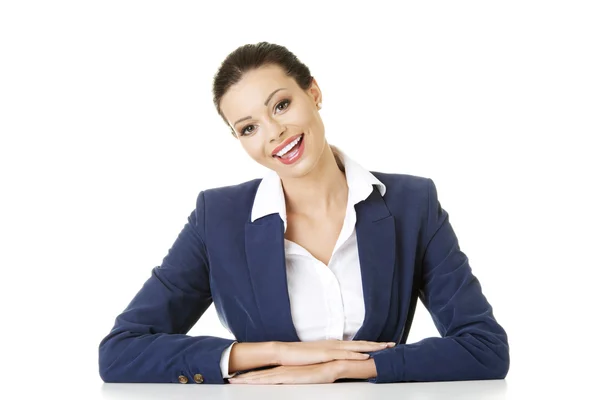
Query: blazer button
(198, 378)
(183, 379)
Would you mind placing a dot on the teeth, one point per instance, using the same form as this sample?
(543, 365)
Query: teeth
(288, 147)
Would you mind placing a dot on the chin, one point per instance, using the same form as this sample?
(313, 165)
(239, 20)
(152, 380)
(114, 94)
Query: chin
(299, 170)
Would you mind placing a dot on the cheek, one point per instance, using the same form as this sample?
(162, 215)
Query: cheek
(306, 115)
(254, 149)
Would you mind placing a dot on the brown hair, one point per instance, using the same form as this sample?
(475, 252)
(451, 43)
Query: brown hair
(252, 56)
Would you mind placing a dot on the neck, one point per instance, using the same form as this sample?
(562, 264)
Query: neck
(320, 193)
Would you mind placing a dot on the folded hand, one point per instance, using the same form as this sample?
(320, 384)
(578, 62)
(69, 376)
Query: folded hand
(290, 374)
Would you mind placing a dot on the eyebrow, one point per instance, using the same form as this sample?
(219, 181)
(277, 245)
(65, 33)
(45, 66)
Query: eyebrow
(266, 102)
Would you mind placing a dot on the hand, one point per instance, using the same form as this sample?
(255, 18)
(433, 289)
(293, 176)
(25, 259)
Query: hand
(303, 374)
(322, 351)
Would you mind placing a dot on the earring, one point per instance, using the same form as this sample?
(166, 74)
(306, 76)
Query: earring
(319, 105)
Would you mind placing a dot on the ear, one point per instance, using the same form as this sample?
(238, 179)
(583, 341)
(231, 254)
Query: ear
(315, 92)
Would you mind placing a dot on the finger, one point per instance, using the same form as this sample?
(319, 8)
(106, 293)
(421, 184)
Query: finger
(372, 343)
(257, 380)
(251, 375)
(265, 381)
(262, 373)
(359, 345)
(361, 348)
(366, 346)
(242, 379)
(351, 355)
(244, 382)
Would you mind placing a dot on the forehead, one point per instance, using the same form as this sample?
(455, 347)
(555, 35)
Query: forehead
(262, 78)
(254, 88)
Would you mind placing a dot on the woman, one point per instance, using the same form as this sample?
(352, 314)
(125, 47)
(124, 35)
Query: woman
(315, 269)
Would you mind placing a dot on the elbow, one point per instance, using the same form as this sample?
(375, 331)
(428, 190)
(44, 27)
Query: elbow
(499, 363)
(494, 357)
(105, 375)
(108, 354)
(503, 366)
(104, 362)
(106, 371)
(499, 369)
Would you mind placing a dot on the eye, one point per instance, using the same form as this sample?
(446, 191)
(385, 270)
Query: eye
(286, 102)
(244, 132)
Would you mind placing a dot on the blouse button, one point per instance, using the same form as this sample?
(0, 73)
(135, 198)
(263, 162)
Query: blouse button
(198, 378)
(183, 379)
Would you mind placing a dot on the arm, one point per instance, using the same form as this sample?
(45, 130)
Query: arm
(350, 369)
(148, 342)
(250, 356)
(240, 357)
(472, 346)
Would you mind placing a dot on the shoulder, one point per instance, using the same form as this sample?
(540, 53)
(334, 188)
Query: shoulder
(412, 199)
(404, 186)
(409, 194)
(239, 196)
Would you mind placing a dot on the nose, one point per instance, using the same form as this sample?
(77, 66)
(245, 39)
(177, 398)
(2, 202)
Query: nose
(276, 130)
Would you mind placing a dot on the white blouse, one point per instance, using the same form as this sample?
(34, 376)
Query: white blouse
(326, 301)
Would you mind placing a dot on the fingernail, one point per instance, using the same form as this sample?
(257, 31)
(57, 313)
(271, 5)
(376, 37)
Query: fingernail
(391, 343)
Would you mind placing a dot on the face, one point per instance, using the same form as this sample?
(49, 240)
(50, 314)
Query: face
(265, 109)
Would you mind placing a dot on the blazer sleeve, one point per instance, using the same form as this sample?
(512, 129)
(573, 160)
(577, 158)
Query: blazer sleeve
(472, 346)
(148, 342)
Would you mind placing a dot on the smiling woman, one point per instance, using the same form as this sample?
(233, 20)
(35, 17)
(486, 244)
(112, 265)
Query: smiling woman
(276, 120)
(328, 262)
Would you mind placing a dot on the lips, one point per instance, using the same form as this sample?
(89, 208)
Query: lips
(281, 146)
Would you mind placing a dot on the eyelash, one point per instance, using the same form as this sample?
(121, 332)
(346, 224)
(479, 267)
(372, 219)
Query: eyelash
(281, 102)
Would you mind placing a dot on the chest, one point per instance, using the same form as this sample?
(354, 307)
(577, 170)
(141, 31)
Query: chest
(318, 237)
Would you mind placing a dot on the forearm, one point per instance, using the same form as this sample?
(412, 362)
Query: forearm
(350, 369)
(247, 356)
(451, 358)
(126, 357)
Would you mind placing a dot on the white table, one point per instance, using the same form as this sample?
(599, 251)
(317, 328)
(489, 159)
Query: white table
(464, 390)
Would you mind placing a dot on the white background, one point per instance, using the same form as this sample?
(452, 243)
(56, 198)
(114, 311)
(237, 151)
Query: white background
(109, 133)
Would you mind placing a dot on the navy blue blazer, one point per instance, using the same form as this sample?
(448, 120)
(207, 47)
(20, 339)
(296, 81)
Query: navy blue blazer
(407, 250)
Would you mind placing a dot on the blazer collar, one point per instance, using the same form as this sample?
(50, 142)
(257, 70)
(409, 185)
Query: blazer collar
(270, 199)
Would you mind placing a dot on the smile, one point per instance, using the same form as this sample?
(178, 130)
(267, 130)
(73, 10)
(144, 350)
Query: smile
(292, 152)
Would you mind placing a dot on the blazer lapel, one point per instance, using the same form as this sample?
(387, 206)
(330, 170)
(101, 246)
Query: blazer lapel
(265, 253)
(376, 238)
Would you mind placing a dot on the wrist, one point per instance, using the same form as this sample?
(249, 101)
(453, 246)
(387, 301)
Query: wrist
(340, 368)
(351, 369)
(276, 350)
(247, 356)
